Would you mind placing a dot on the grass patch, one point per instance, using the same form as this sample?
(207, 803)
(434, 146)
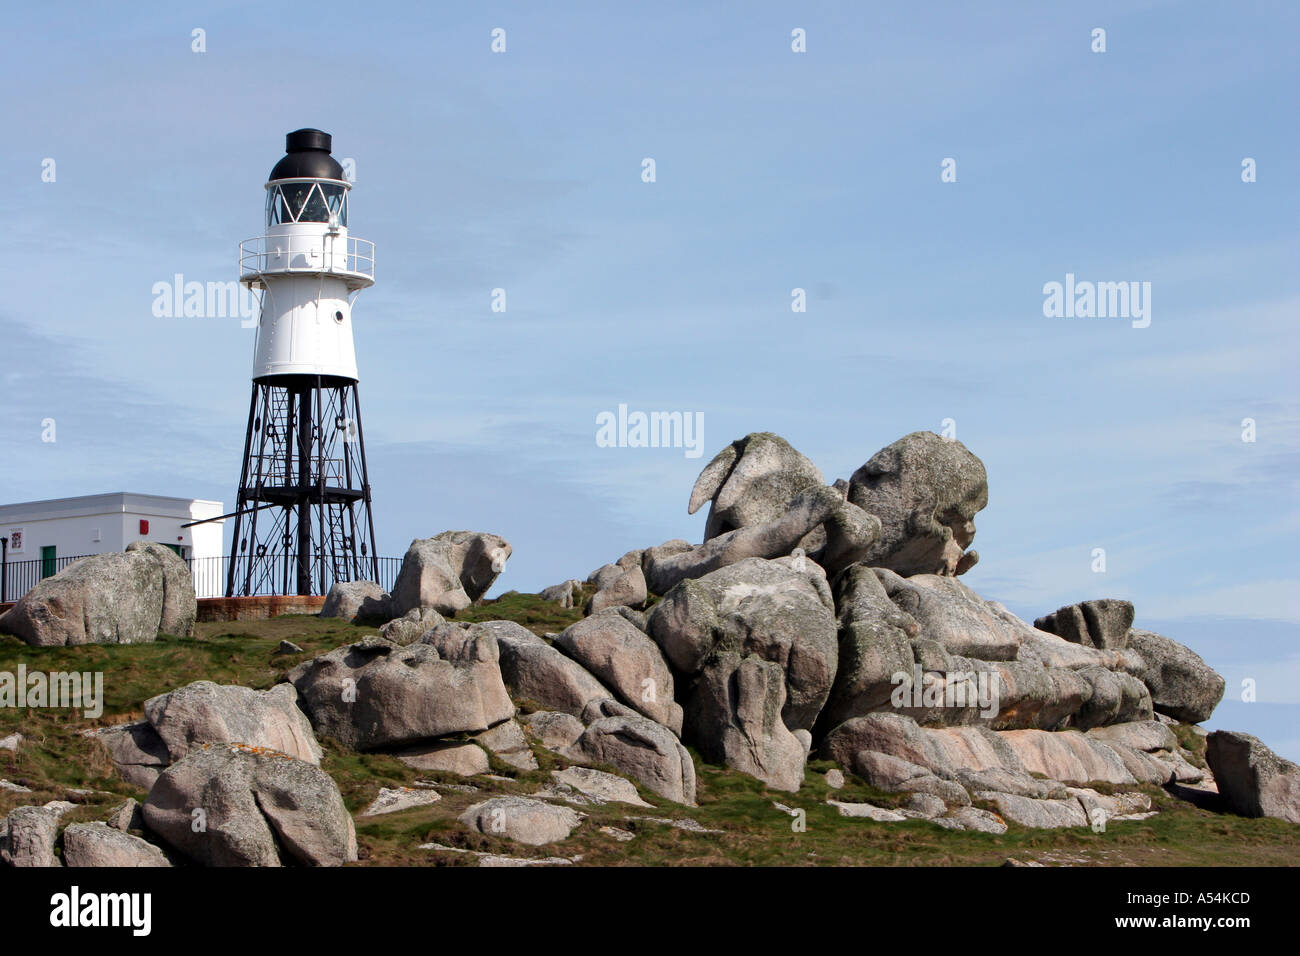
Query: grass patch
(56, 759)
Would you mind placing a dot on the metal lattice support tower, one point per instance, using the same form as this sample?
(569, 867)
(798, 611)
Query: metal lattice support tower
(303, 518)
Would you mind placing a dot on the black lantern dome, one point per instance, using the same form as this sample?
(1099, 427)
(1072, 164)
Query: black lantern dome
(308, 157)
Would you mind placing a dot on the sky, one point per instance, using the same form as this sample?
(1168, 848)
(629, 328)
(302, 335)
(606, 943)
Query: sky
(774, 170)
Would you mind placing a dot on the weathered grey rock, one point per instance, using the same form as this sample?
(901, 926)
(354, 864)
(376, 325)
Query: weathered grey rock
(606, 707)
(449, 571)
(639, 748)
(1148, 735)
(626, 661)
(956, 617)
(972, 818)
(96, 844)
(627, 590)
(1103, 623)
(554, 729)
(834, 778)
(533, 822)
(411, 626)
(128, 816)
(767, 608)
(1041, 814)
(1182, 684)
(1068, 756)
(599, 787)
(509, 744)
(11, 742)
(891, 734)
(207, 713)
(779, 536)
(397, 799)
(536, 671)
(875, 643)
(360, 602)
(927, 805)
(29, 835)
(1116, 698)
(1018, 783)
(850, 535)
(735, 720)
(137, 752)
(926, 491)
(751, 482)
(255, 806)
(604, 576)
(895, 775)
(288, 647)
(464, 759)
(116, 598)
(1102, 808)
(867, 811)
(374, 694)
(631, 559)
(562, 593)
(1255, 781)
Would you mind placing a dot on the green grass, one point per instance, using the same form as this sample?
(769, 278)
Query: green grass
(56, 758)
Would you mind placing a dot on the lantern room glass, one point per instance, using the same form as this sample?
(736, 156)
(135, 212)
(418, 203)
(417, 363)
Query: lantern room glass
(306, 201)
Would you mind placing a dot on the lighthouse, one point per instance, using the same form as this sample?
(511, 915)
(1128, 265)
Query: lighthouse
(303, 520)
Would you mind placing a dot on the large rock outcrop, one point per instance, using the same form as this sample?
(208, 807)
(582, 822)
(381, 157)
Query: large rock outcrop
(97, 844)
(237, 806)
(361, 602)
(116, 598)
(1253, 780)
(626, 661)
(639, 748)
(375, 694)
(766, 608)
(206, 713)
(536, 671)
(1103, 624)
(926, 491)
(1182, 684)
(735, 719)
(449, 571)
(751, 482)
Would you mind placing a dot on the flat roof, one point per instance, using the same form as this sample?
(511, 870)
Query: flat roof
(116, 502)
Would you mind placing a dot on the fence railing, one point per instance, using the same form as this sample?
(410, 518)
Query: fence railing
(277, 573)
(210, 574)
(19, 577)
(314, 254)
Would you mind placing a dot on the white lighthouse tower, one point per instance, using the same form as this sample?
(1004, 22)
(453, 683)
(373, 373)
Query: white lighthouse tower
(302, 519)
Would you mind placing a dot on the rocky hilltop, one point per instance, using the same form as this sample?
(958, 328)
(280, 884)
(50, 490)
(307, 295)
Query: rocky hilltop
(816, 621)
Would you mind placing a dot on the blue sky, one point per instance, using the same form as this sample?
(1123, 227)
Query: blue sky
(775, 170)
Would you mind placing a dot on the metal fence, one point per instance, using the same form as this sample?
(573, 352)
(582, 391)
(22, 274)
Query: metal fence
(264, 576)
(19, 577)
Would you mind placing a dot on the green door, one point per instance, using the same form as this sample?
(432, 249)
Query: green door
(176, 548)
(47, 561)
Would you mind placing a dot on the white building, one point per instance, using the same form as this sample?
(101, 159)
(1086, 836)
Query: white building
(43, 535)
